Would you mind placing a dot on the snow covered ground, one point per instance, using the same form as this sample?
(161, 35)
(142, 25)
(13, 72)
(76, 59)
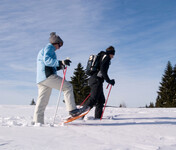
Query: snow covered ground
(120, 129)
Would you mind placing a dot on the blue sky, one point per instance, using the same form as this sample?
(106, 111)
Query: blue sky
(143, 33)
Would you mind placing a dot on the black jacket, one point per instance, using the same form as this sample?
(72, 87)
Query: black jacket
(105, 61)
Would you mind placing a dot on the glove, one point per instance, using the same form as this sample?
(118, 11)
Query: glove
(112, 82)
(60, 67)
(66, 62)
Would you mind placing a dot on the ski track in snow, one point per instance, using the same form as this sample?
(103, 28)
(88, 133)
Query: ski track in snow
(120, 129)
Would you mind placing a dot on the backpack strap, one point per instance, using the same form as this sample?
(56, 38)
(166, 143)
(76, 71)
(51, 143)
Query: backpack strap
(99, 74)
(104, 57)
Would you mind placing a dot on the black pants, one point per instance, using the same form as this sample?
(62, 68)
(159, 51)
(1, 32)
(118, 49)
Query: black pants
(97, 98)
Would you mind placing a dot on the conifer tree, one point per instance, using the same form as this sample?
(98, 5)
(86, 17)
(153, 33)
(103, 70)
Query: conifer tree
(80, 84)
(151, 105)
(33, 102)
(174, 86)
(165, 93)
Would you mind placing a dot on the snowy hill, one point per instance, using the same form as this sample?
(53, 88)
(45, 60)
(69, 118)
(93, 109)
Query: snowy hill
(120, 129)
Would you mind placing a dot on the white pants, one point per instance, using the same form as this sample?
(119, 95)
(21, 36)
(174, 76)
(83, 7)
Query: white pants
(44, 92)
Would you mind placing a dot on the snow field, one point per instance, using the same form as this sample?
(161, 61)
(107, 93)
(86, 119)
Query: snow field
(120, 129)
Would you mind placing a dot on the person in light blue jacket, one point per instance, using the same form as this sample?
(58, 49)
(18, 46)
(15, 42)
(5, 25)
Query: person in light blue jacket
(47, 79)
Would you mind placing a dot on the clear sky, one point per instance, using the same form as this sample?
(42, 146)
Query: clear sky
(142, 31)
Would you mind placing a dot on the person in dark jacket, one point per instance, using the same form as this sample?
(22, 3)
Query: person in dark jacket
(97, 97)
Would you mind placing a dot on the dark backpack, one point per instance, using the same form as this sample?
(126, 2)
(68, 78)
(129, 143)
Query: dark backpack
(93, 64)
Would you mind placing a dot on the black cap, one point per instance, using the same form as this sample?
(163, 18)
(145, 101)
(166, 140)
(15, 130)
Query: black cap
(110, 50)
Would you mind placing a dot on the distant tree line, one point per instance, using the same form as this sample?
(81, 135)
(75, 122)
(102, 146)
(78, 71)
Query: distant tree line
(167, 89)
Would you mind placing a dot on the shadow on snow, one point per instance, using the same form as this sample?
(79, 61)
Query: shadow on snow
(131, 121)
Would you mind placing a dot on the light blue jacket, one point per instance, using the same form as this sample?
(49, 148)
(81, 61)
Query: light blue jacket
(47, 62)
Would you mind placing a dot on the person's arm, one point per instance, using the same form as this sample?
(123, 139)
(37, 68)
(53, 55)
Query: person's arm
(49, 59)
(104, 68)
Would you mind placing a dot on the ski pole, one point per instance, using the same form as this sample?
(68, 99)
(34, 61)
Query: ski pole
(89, 96)
(107, 86)
(84, 100)
(64, 72)
(106, 101)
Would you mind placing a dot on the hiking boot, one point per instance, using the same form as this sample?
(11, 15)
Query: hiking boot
(75, 112)
(84, 109)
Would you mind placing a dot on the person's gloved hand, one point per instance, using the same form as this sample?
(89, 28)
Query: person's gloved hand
(61, 66)
(66, 62)
(112, 82)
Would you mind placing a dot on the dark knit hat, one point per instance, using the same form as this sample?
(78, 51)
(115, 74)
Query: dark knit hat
(110, 50)
(55, 39)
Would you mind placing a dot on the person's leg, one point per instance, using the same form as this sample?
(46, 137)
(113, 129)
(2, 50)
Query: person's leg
(99, 106)
(44, 93)
(95, 86)
(55, 82)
